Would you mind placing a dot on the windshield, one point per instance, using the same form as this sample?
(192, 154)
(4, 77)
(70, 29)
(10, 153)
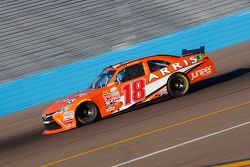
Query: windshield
(103, 79)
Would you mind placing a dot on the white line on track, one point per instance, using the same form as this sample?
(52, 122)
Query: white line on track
(182, 144)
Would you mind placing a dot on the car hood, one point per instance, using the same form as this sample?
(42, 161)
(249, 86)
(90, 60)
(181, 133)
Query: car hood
(67, 101)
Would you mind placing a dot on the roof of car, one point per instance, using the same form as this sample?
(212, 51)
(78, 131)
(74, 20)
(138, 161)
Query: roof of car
(134, 60)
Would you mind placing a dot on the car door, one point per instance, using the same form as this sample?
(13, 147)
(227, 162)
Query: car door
(129, 87)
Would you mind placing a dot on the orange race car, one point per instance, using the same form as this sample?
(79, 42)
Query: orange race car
(128, 84)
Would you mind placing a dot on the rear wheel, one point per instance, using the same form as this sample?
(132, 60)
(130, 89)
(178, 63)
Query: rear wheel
(86, 113)
(178, 85)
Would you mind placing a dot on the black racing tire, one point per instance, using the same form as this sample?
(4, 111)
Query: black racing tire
(86, 113)
(178, 85)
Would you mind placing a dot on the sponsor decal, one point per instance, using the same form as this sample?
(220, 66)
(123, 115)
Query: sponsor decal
(68, 118)
(111, 98)
(201, 72)
(152, 76)
(174, 67)
(66, 123)
(105, 91)
(193, 60)
(162, 92)
(81, 94)
(199, 56)
(134, 91)
(115, 95)
(68, 115)
(69, 101)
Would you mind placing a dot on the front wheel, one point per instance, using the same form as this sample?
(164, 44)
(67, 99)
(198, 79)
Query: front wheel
(178, 85)
(86, 113)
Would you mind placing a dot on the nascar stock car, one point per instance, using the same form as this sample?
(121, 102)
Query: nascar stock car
(129, 84)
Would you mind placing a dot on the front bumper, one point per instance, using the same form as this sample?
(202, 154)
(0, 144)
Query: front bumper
(52, 126)
(54, 123)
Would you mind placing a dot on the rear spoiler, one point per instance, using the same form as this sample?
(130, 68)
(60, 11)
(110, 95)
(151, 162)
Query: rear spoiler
(193, 51)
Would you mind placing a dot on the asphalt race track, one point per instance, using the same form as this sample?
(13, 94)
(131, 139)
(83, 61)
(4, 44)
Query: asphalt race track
(209, 126)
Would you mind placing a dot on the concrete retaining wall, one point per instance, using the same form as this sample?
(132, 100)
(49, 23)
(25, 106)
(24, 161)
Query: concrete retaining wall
(62, 81)
(39, 35)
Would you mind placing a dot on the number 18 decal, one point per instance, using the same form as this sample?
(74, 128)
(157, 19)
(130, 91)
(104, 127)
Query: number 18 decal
(137, 92)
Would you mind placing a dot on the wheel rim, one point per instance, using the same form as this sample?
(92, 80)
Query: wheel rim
(88, 114)
(178, 85)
